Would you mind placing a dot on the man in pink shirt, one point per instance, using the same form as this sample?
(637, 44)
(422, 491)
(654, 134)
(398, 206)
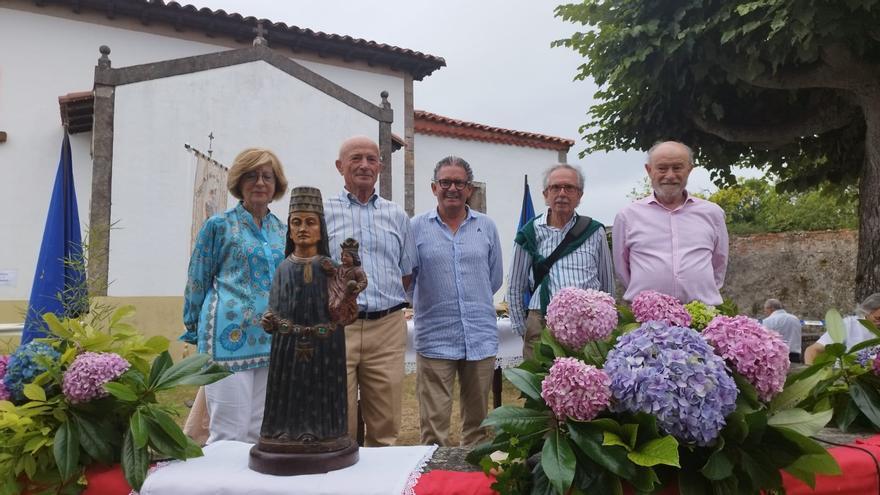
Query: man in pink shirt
(670, 241)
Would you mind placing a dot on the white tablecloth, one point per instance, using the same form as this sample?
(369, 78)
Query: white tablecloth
(509, 346)
(224, 471)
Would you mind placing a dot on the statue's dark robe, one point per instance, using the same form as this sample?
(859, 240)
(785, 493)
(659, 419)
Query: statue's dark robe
(306, 393)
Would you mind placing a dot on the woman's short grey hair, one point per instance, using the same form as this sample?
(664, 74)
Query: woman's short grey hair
(454, 161)
(575, 168)
(869, 305)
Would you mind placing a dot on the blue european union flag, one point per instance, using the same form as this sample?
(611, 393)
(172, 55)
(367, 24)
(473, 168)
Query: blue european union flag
(59, 285)
(527, 212)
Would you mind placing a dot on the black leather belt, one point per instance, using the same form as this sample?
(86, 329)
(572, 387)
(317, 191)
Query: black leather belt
(375, 315)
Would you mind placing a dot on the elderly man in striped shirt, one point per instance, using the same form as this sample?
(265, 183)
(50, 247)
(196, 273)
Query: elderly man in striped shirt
(375, 343)
(544, 250)
(457, 272)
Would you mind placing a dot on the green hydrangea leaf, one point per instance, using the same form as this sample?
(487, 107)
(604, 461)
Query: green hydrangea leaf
(662, 450)
(528, 383)
(834, 326)
(801, 421)
(34, 392)
(558, 461)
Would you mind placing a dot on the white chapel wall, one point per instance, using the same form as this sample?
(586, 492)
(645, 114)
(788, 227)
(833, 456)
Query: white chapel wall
(369, 85)
(253, 104)
(45, 57)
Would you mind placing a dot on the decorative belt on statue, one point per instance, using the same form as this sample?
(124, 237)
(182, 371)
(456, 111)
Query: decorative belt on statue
(375, 315)
(286, 326)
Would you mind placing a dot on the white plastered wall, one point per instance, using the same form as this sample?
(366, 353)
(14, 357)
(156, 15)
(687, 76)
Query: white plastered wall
(369, 85)
(45, 57)
(501, 167)
(252, 104)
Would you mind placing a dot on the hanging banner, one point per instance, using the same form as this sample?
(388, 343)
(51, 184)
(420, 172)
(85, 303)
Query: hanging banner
(209, 192)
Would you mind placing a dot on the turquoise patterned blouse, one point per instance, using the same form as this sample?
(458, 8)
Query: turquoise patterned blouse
(230, 274)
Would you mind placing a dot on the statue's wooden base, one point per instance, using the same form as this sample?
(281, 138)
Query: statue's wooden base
(292, 463)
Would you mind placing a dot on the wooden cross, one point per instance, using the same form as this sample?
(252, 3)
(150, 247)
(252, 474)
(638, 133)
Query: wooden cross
(210, 144)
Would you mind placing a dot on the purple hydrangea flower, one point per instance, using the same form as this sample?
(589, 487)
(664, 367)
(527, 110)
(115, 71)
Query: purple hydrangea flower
(674, 375)
(23, 367)
(651, 305)
(875, 368)
(4, 362)
(577, 316)
(575, 389)
(85, 378)
(866, 356)
(758, 354)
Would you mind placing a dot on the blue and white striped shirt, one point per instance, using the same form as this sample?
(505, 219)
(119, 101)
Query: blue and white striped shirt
(386, 246)
(454, 280)
(587, 267)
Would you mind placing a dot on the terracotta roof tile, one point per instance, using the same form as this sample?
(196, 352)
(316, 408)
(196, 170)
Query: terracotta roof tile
(438, 125)
(77, 111)
(279, 34)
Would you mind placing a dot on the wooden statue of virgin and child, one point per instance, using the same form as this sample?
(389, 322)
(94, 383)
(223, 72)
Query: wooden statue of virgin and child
(305, 425)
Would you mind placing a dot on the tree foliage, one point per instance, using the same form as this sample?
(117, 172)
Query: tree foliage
(790, 86)
(754, 206)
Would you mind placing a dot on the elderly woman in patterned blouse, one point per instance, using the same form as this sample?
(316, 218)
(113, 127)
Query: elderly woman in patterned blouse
(227, 290)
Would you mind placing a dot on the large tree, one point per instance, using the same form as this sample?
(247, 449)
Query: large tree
(791, 86)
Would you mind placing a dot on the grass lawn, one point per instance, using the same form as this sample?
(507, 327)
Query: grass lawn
(409, 429)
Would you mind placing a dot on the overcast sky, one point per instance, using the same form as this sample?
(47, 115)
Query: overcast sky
(500, 71)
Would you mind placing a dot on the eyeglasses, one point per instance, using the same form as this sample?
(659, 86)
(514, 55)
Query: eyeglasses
(557, 188)
(446, 184)
(254, 177)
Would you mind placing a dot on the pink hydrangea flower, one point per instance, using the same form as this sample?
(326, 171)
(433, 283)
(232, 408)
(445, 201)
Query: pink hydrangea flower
(577, 316)
(650, 305)
(85, 378)
(4, 394)
(758, 354)
(876, 365)
(576, 390)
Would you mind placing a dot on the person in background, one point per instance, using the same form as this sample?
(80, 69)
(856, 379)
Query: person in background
(457, 272)
(670, 241)
(583, 262)
(787, 324)
(227, 290)
(869, 309)
(376, 342)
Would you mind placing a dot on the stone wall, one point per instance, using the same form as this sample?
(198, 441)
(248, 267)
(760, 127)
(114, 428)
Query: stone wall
(809, 272)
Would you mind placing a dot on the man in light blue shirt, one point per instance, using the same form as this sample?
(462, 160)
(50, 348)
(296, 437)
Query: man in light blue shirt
(457, 272)
(786, 324)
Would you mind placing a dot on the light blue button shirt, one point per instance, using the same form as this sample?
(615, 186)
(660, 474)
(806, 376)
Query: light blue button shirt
(454, 280)
(386, 246)
(788, 326)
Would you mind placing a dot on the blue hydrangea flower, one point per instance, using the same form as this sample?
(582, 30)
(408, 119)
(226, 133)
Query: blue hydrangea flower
(673, 374)
(865, 357)
(23, 367)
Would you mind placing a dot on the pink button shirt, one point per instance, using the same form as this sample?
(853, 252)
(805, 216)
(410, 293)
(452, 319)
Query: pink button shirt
(680, 252)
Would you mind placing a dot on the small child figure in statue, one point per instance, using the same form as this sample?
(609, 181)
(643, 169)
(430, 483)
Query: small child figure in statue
(305, 423)
(348, 281)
